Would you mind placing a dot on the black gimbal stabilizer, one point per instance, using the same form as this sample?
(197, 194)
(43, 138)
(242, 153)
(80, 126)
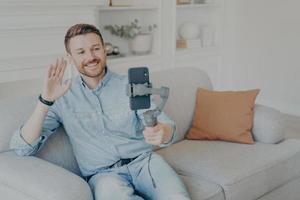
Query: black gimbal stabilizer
(145, 89)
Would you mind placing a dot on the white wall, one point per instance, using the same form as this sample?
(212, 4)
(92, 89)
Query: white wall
(261, 49)
(31, 33)
(31, 39)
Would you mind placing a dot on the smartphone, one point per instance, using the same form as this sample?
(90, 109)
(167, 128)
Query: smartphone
(139, 75)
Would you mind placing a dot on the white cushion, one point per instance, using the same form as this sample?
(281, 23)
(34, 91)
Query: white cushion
(268, 125)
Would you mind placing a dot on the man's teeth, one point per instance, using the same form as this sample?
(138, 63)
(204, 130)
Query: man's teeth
(92, 65)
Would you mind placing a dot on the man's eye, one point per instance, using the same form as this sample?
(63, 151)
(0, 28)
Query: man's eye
(97, 48)
(80, 52)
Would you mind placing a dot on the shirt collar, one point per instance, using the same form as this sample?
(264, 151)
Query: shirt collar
(102, 82)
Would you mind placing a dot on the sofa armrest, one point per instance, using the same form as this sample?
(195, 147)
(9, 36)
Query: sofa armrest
(268, 125)
(34, 178)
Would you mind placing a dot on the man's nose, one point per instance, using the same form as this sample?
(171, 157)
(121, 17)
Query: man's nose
(90, 56)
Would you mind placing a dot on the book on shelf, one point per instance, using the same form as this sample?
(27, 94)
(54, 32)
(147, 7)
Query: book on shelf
(188, 44)
(178, 2)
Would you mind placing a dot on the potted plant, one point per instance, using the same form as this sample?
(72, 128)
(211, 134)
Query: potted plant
(140, 38)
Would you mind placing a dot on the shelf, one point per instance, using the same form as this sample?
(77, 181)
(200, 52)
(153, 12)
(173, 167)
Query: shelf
(132, 58)
(125, 8)
(204, 5)
(205, 51)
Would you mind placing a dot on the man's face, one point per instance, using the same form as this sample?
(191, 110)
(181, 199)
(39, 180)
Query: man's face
(88, 54)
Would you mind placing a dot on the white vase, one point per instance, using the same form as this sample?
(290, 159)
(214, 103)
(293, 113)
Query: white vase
(141, 44)
(189, 30)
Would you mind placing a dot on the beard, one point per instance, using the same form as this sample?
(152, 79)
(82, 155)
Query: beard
(92, 69)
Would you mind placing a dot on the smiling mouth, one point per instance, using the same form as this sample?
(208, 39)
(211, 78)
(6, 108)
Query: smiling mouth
(92, 65)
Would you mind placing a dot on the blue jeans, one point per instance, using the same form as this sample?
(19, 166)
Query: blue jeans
(133, 181)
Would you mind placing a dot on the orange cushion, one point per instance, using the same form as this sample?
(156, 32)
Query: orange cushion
(223, 115)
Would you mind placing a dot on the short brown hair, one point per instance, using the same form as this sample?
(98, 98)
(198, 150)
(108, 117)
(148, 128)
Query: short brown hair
(80, 29)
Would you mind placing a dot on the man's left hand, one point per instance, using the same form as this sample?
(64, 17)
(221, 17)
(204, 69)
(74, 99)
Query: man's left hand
(159, 134)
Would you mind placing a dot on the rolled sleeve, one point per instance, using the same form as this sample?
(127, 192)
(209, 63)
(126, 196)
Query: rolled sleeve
(23, 148)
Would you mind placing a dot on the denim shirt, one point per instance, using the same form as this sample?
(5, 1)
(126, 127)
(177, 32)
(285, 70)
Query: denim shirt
(99, 122)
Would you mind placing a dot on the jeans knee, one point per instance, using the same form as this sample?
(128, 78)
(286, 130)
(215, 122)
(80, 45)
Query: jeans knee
(111, 187)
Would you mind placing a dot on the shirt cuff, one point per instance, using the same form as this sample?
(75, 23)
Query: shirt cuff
(22, 147)
(172, 138)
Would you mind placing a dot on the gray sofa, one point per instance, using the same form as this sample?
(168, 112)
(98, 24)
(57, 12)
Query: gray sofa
(211, 170)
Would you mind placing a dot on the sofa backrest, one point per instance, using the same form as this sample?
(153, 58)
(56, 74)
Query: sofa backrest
(183, 83)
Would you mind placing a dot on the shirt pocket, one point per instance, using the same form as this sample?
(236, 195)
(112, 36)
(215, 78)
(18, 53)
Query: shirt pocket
(84, 120)
(119, 119)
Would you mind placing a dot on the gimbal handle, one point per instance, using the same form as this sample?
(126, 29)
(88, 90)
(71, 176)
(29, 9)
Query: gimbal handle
(150, 116)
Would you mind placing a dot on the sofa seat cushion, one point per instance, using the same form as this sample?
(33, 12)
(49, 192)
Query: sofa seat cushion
(244, 171)
(201, 189)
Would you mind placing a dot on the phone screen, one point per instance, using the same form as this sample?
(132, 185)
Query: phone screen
(139, 75)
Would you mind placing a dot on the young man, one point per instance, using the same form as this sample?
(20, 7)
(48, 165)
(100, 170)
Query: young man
(111, 144)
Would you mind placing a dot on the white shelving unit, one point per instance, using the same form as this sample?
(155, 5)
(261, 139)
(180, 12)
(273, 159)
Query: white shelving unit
(168, 16)
(147, 13)
(209, 51)
(204, 5)
(133, 58)
(127, 8)
(207, 17)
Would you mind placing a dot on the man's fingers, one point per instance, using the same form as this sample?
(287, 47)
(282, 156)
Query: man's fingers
(53, 71)
(149, 140)
(152, 135)
(50, 71)
(54, 68)
(57, 70)
(59, 67)
(56, 63)
(149, 129)
(153, 129)
(63, 69)
(152, 138)
(152, 141)
(148, 134)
